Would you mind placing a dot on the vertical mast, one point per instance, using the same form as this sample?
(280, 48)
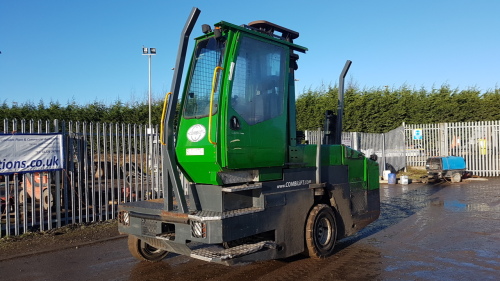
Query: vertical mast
(171, 179)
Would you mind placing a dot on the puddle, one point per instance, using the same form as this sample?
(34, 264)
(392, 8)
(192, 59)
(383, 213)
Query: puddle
(459, 206)
(455, 205)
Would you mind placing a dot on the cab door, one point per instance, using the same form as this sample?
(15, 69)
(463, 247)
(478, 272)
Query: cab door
(257, 112)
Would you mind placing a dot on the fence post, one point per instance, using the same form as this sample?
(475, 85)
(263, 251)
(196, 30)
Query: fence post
(383, 152)
(5, 126)
(356, 144)
(58, 176)
(444, 139)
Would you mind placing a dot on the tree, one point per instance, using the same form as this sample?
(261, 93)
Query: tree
(374, 110)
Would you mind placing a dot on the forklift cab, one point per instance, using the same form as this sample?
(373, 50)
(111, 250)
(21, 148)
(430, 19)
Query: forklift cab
(234, 111)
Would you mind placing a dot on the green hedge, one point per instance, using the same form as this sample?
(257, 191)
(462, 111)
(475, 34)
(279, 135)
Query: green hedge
(380, 110)
(136, 113)
(373, 110)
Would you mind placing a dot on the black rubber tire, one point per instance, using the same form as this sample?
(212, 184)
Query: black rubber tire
(143, 251)
(321, 231)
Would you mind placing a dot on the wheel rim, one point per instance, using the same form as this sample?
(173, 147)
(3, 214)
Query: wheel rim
(320, 231)
(323, 232)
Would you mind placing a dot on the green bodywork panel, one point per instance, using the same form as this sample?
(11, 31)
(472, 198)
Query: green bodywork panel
(269, 174)
(362, 170)
(199, 159)
(372, 174)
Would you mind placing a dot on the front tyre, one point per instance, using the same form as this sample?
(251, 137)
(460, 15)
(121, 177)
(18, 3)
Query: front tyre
(143, 251)
(321, 231)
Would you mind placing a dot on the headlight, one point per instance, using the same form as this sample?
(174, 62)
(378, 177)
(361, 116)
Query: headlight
(124, 218)
(198, 229)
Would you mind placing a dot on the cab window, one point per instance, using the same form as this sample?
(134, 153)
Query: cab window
(259, 78)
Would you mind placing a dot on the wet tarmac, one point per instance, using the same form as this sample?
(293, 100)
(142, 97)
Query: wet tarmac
(425, 232)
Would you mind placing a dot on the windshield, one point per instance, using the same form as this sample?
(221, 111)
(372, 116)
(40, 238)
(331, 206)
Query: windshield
(208, 56)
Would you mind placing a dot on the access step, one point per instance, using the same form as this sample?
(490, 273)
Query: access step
(241, 187)
(220, 254)
(212, 215)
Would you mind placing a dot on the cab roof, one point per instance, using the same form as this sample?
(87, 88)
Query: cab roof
(267, 30)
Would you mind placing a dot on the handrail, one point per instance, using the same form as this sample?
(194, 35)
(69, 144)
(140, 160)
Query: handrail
(214, 78)
(165, 103)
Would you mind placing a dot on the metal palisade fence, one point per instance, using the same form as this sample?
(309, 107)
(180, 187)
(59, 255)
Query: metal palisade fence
(411, 145)
(108, 164)
(104, 165)
(477, 142)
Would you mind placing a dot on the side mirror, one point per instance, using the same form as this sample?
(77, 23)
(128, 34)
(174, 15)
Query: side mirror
(206, 28)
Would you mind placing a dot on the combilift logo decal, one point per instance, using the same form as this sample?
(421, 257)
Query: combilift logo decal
(294, 183)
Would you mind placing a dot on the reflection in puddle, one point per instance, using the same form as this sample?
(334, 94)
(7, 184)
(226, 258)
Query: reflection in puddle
(455, 205)
(458, 206)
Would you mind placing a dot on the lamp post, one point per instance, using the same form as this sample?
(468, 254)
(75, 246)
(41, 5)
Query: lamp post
(149, 52)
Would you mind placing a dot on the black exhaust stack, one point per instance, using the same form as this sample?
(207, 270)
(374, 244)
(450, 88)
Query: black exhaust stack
(340, 108)
(329, 130)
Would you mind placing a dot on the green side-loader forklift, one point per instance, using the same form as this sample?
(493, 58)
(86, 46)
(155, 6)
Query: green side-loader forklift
(255, 192)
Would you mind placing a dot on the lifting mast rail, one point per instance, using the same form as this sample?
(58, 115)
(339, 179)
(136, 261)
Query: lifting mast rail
(171, 179)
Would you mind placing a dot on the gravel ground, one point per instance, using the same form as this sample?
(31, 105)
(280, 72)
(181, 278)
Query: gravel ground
(69, 236)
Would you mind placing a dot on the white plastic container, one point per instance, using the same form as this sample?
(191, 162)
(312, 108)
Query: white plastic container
(385, 175)
(404, 179)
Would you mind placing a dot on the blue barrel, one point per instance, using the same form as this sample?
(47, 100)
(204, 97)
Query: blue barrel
(392, 178)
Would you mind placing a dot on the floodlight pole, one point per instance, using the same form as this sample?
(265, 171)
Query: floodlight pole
(149, 52)
(149, 95)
